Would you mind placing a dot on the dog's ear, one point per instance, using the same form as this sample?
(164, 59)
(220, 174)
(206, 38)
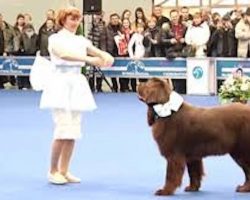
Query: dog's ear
(170, 83)
(150, 115)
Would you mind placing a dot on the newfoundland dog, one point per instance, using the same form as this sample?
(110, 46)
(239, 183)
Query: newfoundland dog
(185, 134)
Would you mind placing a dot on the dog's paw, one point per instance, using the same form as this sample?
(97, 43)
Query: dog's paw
(191, 188)
(163, 192)
(243, 188)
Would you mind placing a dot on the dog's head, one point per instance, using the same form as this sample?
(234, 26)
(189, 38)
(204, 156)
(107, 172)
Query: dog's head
(155, 91)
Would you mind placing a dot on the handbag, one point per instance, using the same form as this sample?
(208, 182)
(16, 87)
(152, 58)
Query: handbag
(41, 72)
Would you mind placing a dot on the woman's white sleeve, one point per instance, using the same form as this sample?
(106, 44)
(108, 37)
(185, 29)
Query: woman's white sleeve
(130, 46)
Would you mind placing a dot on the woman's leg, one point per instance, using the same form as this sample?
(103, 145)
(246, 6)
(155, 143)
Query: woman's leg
(67, 150)
(57, 146)
(54, 175)
(65, 158)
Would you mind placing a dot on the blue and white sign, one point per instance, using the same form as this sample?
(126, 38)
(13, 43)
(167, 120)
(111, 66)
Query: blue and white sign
(198, 76)
(225, 66)
(15, 65)
(147, 67)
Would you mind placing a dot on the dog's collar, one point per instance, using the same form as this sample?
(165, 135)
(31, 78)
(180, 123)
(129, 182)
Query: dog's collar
(174, 104)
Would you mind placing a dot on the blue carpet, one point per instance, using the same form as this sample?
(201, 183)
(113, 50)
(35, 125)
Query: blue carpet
(117, 158)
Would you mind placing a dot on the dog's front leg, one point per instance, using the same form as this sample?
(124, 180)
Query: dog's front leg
(174, 173)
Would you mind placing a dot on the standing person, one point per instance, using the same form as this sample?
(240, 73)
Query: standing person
(185, 17)
(94, 35)
(29, 47)
(136, 49)
(198, 35)
(107, 41)
(157, 13)
(44, 35)
(50, 14)
(140, 18)
(242, 33)
(68, 93)
(7, 35)
(126, 14)
(28, 18)
(122, 40)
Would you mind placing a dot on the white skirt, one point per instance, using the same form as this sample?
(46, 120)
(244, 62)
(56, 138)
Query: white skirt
(68, 91)
(67, 124)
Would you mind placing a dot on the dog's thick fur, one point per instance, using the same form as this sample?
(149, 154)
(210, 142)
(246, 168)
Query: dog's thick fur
(192, 133)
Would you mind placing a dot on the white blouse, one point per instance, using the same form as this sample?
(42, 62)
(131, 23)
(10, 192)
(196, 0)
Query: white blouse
(70, 42)
(68, 89)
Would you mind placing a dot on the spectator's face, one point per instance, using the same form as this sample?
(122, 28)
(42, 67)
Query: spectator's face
(97, 18)
(49, 24)
(20, 21)
(238, 74)
(127, 15)
(50, 14)
(140, 29)
(157, 11)
(184, 13)
(139, 14)
(197, 19)
(125, 23)
(174, 16)
(219, 24)
(27, 19)
(238, 13)
(151, 23)
(227, 23)
(29, 31)
(114, 20)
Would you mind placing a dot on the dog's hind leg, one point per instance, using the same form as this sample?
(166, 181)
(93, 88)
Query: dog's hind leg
(195, 172)
(244, 163)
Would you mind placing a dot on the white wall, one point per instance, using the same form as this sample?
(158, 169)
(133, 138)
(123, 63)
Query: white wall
(37, 9)
(111, 6)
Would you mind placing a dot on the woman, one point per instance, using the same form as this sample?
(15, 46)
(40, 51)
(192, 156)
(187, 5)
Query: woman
(140, 18)
(197, 35)
(68, 93)
(122, 40)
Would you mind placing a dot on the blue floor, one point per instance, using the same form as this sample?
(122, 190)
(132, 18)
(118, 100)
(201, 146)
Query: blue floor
(117, 158)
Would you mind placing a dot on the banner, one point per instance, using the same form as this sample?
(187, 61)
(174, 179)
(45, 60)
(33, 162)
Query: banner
(122, 67)
(225, 66)
(198, 76)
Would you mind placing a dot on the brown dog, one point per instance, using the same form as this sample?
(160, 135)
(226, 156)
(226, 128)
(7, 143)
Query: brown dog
(189, 133)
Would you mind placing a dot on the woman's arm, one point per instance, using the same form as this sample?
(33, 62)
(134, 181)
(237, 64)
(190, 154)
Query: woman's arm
(130, 46)
(95, 56)
(106, 58)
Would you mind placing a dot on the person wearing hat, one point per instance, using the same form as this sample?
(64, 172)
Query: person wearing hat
(242, 33)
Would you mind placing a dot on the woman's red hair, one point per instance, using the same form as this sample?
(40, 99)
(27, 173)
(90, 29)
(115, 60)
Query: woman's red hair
(65, 12)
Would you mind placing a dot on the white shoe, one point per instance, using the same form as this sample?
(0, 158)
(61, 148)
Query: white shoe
(57, 178)
(72, 179)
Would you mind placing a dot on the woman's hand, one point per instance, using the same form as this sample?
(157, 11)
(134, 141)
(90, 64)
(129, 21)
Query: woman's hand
(108, 60)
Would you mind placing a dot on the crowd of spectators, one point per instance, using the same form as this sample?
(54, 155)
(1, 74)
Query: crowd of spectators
(136, 35)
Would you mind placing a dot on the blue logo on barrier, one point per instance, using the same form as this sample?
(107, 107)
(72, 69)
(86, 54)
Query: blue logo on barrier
(10, 64)
(197, 72)
(136, 67)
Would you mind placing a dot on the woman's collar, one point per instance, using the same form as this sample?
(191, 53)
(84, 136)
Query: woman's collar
(66, 31)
